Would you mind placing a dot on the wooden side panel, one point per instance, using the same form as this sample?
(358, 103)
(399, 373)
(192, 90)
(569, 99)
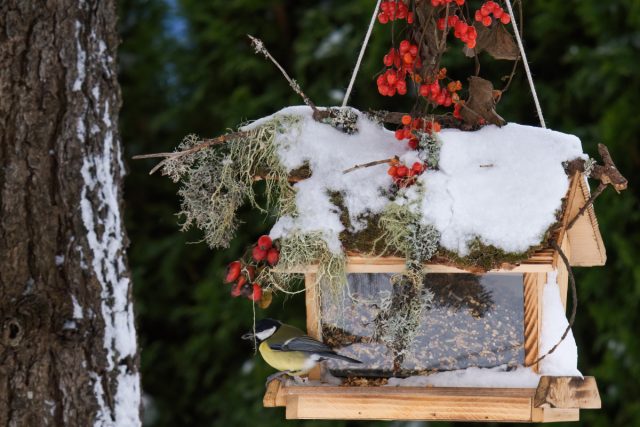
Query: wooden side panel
(567, 392)
(563, 273)
(554, 415)
(382, 403)
(533, 289)
(314, 327)
(273, 396)
(531, 319)
(587, 247)
(540, 262)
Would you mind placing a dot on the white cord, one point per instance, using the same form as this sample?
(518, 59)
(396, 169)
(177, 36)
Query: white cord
(364, 47)
(526, 64)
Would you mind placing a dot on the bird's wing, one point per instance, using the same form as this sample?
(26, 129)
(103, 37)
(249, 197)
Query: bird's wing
(303, 343)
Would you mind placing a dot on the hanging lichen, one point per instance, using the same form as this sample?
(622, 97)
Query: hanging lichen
(304, 250)
(429, 149)
(217, 181)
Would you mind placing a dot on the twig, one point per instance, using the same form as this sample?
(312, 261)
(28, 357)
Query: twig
(177, 154)
(366, 165)
(574, 300)
(490, 165)
(259, 47)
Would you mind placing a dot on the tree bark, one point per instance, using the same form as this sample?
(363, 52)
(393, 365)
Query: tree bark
(68, 353)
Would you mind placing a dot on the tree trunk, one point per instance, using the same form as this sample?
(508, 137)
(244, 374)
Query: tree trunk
(68, 353)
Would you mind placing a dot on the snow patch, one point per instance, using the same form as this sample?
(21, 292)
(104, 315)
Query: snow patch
(329, 152)
(80, 60)
(564, 360)
(100, 213)
(502, 185)
(77, 308)
(59, 260)
(473, 377)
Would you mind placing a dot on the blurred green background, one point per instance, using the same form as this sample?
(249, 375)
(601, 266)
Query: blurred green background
(186, 67)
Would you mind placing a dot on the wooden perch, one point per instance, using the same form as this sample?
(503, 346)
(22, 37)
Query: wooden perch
(607, 174)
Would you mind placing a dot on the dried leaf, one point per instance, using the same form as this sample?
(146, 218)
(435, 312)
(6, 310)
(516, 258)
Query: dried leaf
(481, 103)
(265, 301)
(496, 41)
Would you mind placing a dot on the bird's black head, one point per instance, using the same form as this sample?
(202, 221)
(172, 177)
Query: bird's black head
(264, 329)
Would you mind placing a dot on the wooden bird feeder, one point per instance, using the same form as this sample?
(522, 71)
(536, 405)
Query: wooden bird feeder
(554, 398)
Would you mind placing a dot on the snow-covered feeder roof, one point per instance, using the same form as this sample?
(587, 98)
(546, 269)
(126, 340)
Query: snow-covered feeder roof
(502, 186)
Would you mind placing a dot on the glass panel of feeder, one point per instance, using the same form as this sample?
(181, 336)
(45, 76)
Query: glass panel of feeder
(451, 321)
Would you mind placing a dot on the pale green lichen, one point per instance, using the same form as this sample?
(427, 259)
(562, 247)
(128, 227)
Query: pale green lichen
(216, 181)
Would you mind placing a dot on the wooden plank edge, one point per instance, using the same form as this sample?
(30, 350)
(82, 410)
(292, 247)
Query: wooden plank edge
(567, 393)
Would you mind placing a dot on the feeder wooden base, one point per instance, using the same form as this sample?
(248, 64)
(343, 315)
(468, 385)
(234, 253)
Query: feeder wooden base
(438, 403)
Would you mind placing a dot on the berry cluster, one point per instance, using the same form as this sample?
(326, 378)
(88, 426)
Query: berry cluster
(461, 30)
(404, 176)
(392, 10)
(401, 62)
(408, 131)
(242, 275)
(265, 251)
(441, 95)
(491, 8)
(436, 3)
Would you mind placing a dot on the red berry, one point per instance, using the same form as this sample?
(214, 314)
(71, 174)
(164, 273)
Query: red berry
(406, 119)
(264, 242)
(417, 167)
(424, 90)
(486, 21)
(251, 272)
(404, 46)
(235, 290)
(273, 256)
(399, 134)
(256, 295)
(393, 171)
(258, 254)
(383, 18)
(498, 13)
(410, 18)
(402, 171)
(233, 272)
(505, 19)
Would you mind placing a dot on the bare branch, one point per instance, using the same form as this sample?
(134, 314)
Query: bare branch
(259, 47)
(366, 165)
(176, 154)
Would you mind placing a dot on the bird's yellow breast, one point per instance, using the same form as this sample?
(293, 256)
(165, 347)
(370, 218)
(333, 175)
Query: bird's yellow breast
(285, 360)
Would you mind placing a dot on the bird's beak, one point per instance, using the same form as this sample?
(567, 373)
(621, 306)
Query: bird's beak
(248, 336)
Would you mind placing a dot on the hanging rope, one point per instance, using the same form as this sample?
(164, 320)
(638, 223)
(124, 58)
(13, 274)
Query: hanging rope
(362, 49)
(526, 63)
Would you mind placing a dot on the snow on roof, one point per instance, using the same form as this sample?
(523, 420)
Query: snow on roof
(501, 185)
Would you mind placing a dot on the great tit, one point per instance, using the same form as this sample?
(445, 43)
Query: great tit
(289, 350)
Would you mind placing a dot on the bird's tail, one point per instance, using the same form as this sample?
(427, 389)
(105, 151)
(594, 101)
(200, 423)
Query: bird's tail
(339, 357)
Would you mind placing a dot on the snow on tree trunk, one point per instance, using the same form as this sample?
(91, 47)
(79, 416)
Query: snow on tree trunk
(68, 353)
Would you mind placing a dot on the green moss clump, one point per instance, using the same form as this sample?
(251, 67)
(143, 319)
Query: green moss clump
(485, 257)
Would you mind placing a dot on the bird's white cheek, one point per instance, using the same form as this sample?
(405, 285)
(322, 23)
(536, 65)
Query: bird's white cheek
(265, 334)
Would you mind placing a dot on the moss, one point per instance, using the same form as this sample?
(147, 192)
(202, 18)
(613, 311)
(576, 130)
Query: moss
(484, 257)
